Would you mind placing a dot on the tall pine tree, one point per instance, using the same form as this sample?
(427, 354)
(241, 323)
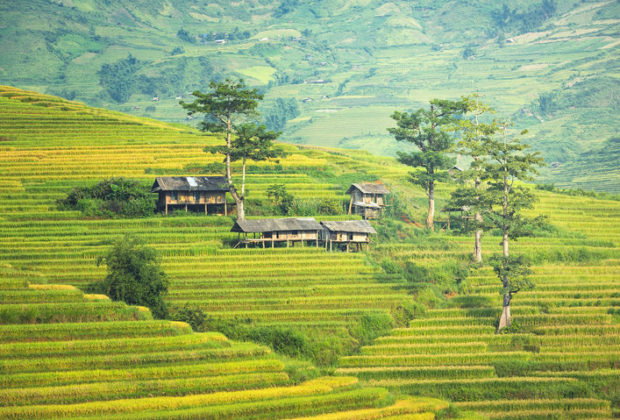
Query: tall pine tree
(506, 162)
(474, 131)
(226, 107)
(429, 131)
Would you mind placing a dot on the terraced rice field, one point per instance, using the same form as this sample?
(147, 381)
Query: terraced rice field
(563, 360)
(40, 165)
(68, 354)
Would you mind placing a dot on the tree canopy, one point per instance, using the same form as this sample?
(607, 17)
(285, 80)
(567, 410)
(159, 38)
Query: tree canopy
(429, 131)
(135, 276)
(226, 107)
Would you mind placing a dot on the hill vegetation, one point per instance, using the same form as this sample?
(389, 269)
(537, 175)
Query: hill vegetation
(324, 66)
(373, 316)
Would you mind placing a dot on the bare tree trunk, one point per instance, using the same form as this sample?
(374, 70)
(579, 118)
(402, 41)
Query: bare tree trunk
(505, 319)
(431, 206)
(477, 218)
(233, 191)
(478, 242)
(243, 179)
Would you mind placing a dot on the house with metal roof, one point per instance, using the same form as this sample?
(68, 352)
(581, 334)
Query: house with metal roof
(367, 199)
(272, 231)
(195, 193)
(350, 233)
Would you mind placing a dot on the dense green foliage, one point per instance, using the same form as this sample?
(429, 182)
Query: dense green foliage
(119, 78)
(135, 276)
(282, 111)
(428, 130)
(520, 21)
(113, 197)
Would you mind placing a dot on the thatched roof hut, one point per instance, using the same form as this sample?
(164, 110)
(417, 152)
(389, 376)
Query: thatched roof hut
(289, 230)
(367, 199)
(190, 183)
(369, 188)
(356, 232)
(193, 192)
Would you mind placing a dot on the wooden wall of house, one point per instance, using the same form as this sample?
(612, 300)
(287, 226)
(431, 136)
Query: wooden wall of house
(290, 236)
(188, 197)
(344, 236)
(370, 213)
(357, 195)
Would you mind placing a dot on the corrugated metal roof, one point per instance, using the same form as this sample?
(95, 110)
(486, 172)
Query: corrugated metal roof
(368, 205)
(190, 183)
(353, 226)
(276, 225)
(369, 188)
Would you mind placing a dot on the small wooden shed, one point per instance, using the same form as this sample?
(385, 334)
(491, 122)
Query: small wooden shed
(289, 230)
(200, 193)
(367, 199)
(349, 232)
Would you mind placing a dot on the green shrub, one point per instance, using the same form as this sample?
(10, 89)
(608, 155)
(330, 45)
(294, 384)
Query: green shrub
(285, 340)
(313, 207)
(391, 267)
(450, 412)
(407, 311)
(110, 198)
(430, 297)
(135, 276)
(193, 315)
(371, 326)
(447, 276)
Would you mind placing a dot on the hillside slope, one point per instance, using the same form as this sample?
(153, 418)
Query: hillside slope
(64, 354)
(548, 65)
(568, 339)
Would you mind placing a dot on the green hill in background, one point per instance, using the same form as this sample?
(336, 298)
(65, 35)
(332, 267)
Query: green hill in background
(334, 70)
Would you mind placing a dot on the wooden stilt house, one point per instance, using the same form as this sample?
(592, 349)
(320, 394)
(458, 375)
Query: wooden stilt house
(272, 231)
(367, 199)
(196, 193)
(350, 233)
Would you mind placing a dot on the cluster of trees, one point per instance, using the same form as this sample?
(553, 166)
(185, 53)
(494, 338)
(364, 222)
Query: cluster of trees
(236, 34)
(285, 7)
(282, 111)
(121, 79)
(490, 194)
(113, 197)
(508, 20)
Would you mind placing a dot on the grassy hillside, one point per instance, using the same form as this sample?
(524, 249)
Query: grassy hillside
(562, 361)
(66, 354)
(348, 64)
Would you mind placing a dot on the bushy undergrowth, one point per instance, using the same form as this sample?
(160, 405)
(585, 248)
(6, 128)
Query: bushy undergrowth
(134, 276)
(114, 197)
(302, 207)
(305, 343)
